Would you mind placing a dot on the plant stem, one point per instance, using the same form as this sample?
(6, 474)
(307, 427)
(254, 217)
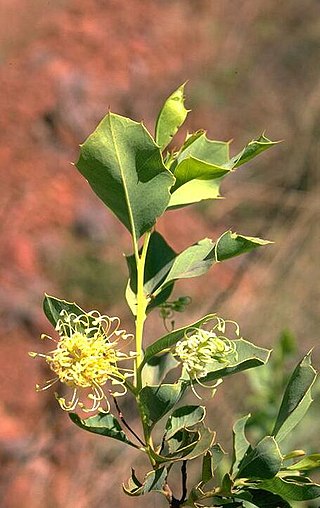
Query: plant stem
(142, 302)
(125, 423)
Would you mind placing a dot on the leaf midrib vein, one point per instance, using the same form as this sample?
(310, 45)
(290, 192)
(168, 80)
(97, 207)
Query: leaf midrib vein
(131, 219)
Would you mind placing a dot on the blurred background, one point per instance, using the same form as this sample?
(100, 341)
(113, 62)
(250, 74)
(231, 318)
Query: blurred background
(252, 66)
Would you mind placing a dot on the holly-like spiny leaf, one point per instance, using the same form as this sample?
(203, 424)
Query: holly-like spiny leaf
(198, 146)
(191, 168)
(180, 444)
(53, 307)
(172, 115)
(262, 498)
(199, 258)
(231, 244)
(124, 167)
(164, 266)
(204, 444)
(252, 149)
(201, 164)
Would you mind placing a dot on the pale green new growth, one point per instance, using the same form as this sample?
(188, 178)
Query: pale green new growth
(171, 117)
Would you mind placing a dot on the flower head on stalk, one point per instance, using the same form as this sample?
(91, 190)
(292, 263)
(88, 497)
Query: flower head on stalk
(200, 348)
(86, 357)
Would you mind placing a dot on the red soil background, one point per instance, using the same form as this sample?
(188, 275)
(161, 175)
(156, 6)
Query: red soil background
(251, 66)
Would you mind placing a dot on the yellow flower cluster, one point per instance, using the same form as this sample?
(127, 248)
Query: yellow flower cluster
(86, 357)
(200, 348)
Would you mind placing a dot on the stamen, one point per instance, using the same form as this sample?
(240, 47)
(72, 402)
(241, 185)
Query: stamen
(86, 356)
(201, 347)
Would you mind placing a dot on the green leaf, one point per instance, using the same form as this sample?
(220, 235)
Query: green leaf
(156, 401)
(190, 169)
(53, 307)
(164, 266)
(217, 455)
(307, 463)
(295, 488)
(187, 445)
(201, 165)
(199, 170)
(204, 443)
(247, 356)
(167, 341)
(184, 417)
(104, 424)
(254, 148)
(262, 461)
(210, 462)
(172, 115)
(134, 485)
(227, 484)
(263, 499)
(190, 263)
(154, 481)
(197, 145)
(180, 444)
(296, 400)
(240, 442)
(124, 167)
(198, 259)
(156, 369)
(195, 191)
(231, 244)
(207, 471)
(158, 261)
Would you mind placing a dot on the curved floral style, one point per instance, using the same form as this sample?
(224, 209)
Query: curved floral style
(200, 348)
(86, 357)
